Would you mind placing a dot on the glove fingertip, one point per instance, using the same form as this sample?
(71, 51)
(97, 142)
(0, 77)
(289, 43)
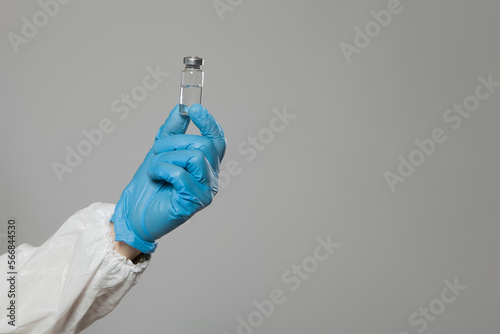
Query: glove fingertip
(175, 124)
(197, 111)
(153, 172)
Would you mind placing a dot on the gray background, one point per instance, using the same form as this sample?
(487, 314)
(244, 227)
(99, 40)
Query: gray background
(323, 174)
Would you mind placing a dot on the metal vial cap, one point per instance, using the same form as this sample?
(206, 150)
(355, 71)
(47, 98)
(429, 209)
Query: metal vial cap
(193, 61)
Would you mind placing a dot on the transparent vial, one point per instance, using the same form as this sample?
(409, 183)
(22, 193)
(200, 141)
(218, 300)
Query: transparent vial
(191, 84)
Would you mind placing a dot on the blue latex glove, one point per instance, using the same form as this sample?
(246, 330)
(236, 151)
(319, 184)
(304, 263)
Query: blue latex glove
(178, 178)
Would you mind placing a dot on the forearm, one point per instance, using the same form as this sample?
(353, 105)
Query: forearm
(123, 248)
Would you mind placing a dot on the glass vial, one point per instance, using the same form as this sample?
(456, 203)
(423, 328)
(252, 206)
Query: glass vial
(191, 84)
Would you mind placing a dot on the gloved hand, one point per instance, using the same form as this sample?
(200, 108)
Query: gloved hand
(178, 178)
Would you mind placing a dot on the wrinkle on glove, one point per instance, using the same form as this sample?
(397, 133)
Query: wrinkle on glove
(72, 279)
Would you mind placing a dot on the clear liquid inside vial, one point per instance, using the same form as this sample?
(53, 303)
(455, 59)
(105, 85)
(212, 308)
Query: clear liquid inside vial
(190, 94)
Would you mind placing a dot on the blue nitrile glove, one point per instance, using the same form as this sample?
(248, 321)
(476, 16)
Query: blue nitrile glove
(178, 178)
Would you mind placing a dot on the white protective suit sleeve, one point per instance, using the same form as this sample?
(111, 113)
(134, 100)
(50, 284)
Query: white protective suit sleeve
(73, 279)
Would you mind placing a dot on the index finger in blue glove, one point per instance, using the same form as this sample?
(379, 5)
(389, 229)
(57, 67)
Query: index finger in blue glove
(189, 142)
(184, 183)
(175, 124)
(194, 162)
(209, 127)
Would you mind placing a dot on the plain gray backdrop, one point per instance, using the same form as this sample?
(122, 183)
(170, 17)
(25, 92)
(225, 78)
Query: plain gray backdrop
(321, 175)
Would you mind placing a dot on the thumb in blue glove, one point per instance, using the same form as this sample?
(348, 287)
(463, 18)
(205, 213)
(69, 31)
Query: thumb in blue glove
(178, 178)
